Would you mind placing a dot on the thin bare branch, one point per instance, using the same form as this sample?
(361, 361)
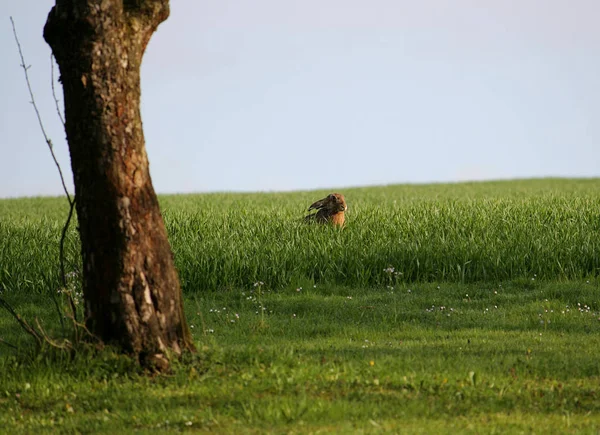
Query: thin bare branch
(82, 327)
(59, 312)
(62, 256)
(50, 146)
(41, 335)
(22, 322)
(66, 344)
(56, 104)
(6, 343)
(37, 112)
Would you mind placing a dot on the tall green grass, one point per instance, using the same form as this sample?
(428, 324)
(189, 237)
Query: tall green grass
(470, 232)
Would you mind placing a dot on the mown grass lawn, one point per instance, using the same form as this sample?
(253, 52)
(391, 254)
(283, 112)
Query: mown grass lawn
(445, 308)
(512, 357)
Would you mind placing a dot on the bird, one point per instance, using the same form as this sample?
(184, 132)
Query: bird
(330, 209)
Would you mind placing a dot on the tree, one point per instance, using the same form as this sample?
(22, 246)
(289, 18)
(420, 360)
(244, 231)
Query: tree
(131, 289)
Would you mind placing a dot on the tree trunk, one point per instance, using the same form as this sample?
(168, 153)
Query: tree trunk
(131, 289)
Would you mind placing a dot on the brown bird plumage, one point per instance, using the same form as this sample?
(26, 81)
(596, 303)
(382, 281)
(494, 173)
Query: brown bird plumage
(329, 209)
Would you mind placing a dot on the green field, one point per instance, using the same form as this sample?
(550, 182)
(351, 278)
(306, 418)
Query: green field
(438, 308)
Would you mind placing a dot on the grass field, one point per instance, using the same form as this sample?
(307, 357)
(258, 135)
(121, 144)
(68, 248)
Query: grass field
(469, 307)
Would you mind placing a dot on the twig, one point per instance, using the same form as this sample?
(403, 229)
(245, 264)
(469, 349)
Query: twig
(81, 326)
(66, 344)
(62, 178)
(6, 343)
(26, 327)
(37, 112)
(54, 91)
(58, 310)
(62, 257)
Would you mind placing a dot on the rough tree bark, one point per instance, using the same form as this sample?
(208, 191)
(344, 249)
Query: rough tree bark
(131, 289)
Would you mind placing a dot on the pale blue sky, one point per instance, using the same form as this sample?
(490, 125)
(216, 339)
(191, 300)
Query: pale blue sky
(284, 95)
